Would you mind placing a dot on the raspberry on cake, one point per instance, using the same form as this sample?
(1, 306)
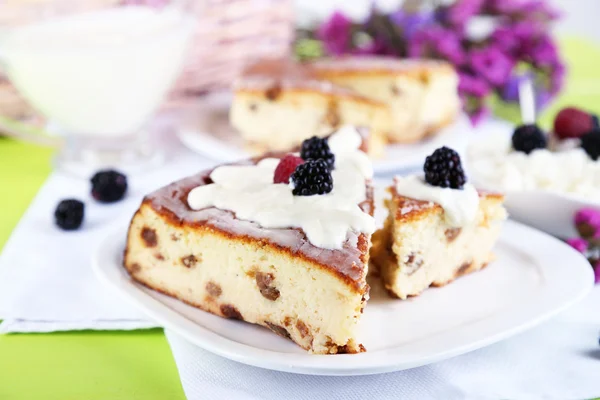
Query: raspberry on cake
(437, 229)
(291, 257)
(422, 95)
(277, 104)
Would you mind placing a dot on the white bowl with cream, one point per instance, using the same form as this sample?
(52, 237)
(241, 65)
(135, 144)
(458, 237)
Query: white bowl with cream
(543, 189)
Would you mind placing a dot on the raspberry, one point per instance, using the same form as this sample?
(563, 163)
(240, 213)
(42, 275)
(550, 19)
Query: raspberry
(312, 177)
(69, 214)
(590, 142)
(108, 186)
(527, 138)
(317, 149)
(287, 165)
(571, 122)
(444, 169)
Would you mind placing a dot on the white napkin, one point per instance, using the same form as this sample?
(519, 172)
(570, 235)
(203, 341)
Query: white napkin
(557, 360)
(46, 280)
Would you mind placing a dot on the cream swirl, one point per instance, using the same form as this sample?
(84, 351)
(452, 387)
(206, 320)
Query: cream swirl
(249, 192)
(460, 205)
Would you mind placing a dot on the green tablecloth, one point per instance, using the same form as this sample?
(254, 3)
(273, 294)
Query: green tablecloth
(139, 364)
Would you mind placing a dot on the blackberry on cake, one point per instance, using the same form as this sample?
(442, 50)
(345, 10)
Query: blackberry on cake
(312, 177)
(444, 169)
(317, 148)
(233, 243)
(528, 138)
(435, 231)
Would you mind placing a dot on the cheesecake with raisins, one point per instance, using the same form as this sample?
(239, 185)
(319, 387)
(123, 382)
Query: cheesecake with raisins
(422, 95)
(282, 242)
(438, 228)
(277, 104)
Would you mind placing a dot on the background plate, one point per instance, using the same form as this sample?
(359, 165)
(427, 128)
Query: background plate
(206, 131)
(523, 287)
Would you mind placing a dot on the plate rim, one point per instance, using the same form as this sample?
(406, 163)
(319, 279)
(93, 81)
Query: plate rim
(347, 364)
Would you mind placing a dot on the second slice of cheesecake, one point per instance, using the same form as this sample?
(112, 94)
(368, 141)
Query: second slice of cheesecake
(434, 234)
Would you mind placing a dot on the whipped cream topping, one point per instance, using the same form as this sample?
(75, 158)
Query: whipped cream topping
(564, 168)
(460, 205)
(249, 192)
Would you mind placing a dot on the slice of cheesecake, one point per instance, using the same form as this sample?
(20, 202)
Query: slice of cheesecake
(231, 242)
(277, 104)
(433, 235)
(422, 94)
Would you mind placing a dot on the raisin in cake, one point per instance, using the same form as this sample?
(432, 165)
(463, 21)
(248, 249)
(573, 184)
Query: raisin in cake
(292, 257)
(277, 104)
(422, 94)
(437, 229)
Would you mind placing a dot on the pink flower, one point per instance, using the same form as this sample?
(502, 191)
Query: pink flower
(472, 85)
(589, 216)
(336, 34)
(581, 245)
(492, 64)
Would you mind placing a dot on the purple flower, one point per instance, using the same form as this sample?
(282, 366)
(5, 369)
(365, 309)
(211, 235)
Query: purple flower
(510, 90)
(505, 39)
(492, 64)
(597, 273)
(410, 23)
(376, 46)
(336, 34)
(437, 42)
(581, 245)
(472, 85)
(537, 9)
(460, 12)
(542, 51)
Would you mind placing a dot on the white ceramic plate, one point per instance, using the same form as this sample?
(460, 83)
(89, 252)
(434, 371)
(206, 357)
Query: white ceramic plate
(206, 130)
(534, 277)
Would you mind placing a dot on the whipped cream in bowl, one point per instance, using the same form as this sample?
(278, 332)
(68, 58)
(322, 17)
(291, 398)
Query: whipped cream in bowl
(544, 188)
(249, 192)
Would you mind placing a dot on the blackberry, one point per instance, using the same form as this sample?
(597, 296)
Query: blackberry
(443, 169)
(590, 142)
(527, 138)
(69, 214)
(312, 177)
(108, 186)
(317, 149)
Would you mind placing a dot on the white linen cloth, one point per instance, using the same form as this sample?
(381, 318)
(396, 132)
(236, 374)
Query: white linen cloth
(558, 360)
(46, 280)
